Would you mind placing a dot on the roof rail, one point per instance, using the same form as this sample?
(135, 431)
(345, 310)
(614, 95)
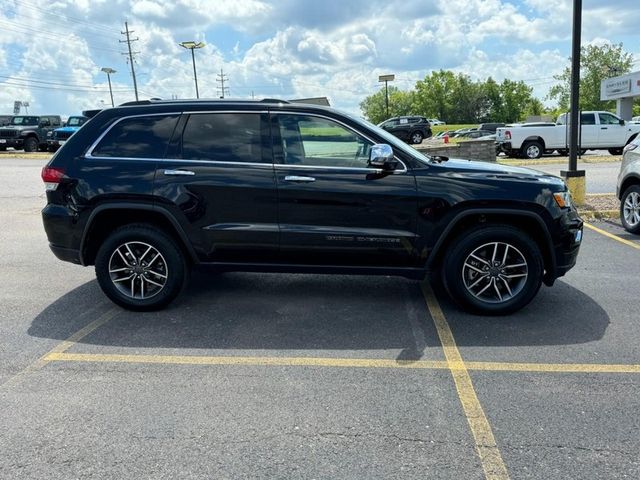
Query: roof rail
(272, 100)
(90, 113)
(135, 102)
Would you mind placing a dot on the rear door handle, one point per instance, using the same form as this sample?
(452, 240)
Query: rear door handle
(179, 172)
(296, 178)
(603, 128)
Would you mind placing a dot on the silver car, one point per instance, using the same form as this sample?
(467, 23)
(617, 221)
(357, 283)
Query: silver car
(628, 190)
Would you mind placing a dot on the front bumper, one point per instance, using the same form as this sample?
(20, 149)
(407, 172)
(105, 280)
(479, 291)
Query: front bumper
(16, 143)
(566, 251)
(55, 143)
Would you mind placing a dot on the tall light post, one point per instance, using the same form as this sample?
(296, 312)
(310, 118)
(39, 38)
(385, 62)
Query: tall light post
(192, 46)
(109, 71)
(386, 79)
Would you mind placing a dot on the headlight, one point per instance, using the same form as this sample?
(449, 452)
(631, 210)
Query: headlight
(563, 199)
(629, 147)
(49, 134)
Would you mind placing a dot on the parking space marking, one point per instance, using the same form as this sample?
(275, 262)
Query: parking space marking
(486, 447)
(63, 346)
(612, 236)
(63, 356)
(250, 361)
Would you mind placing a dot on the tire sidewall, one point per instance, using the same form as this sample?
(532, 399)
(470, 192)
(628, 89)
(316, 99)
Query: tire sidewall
(627, 227)
(466, 243)
(31, 144)
(175, 259)
(525, 148)
(414, 142)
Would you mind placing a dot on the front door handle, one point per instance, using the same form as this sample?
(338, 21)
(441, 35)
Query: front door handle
(179, 172)
(603, 128)
(296, 178)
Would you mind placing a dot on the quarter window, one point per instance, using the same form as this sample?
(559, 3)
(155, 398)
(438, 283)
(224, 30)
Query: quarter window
(308, 140)
(230, 137)
(138, 137)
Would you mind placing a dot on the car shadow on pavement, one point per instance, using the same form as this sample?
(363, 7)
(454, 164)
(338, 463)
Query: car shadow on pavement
(248, 311)
(560, 315)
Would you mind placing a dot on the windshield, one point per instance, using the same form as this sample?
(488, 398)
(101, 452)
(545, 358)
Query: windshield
(390, 139)
(76, 121)
(24, 121)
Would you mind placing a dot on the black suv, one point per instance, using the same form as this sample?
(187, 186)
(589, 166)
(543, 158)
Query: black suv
(147, 190)
(410, 129)
(28, 132)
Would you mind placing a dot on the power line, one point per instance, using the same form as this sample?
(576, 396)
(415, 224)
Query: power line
(40, 9)
(131, 54)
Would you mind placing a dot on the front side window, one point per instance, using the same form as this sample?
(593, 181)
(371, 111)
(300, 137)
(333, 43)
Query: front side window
(608, 119)
(315, 141)
(223, 137)
(24, 121)
(138, 137)
(76, 121)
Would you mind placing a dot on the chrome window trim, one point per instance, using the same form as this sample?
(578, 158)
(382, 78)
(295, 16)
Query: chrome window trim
(89, 152)
(304, 114)
(284, 166)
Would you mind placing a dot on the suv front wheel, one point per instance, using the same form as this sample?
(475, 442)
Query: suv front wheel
(140, 268)
(630, 209)
(493, 270)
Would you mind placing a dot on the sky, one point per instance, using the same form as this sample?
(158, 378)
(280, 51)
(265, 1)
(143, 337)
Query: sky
(52, 51)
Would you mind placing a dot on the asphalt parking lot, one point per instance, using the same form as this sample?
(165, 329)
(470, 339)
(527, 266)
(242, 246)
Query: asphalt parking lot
(310, 376)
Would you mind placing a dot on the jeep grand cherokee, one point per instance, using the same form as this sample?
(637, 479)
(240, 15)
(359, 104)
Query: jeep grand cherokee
(147, 190)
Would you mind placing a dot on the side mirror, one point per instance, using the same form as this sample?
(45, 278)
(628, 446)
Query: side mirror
(622, 122)
(381, 156)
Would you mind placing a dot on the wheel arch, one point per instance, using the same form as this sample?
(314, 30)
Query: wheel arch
(626, 183)
(535, 138)
(529, 222)
(105, 218)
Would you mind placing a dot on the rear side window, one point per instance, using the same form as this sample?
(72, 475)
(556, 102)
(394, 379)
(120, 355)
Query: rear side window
(223, 137)
(137, 137)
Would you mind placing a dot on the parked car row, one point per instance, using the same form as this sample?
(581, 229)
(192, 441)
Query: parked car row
(33, 133)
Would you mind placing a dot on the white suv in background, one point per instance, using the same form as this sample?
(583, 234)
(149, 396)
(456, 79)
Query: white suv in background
(628, 190)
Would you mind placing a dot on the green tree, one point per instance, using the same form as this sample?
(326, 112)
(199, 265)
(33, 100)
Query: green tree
(401, 102)
(597, 62)
(516, 96)
(434, 95)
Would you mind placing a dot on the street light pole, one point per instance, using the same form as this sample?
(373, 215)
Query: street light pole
(575, 178)
(109, 71)
(386, 79)
(192, 46)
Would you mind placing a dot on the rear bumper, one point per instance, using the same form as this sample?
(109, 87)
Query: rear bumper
(66, 254)
(504, 147)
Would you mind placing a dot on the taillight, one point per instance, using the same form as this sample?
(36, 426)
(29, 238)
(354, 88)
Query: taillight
(52, 176)
(507, 135)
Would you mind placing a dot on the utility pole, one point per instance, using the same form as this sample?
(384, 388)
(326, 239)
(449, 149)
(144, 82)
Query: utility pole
(221, 79)
(575, 178)
(131, 54)
(386, 79)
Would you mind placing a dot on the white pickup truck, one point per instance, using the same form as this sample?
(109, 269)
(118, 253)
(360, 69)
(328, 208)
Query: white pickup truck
(598, 130)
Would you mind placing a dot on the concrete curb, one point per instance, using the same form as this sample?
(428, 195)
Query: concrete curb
(598, 214)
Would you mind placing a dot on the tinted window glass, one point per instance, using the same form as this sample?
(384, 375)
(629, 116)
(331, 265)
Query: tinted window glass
(320, 142)
(608, 119)
(140, 137)
(587, 119)
(229, 137)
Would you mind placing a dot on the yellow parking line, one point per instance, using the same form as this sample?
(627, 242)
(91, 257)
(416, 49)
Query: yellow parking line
(63, 346)
(251, 361)
(552, 367)
(63, 356)
(612, 236)
(490, 457)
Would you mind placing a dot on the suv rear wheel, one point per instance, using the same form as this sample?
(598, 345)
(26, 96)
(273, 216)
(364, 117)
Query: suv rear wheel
(493, 270)
(140, 268)
(532, 150)
(630, 209)
(31, 144)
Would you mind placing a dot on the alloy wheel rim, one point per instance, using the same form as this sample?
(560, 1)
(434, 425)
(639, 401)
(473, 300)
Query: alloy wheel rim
(138, 270)
(417, 137)
(631, 209)
(495, 272)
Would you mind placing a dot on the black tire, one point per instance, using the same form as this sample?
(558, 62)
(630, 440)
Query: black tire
(615, 151)
(532, 150)
(52, 148)
(171, 263)
(459, 278)
(563, 152)
(416, 137)
(31, 144)
(583, 151)
(3, 149)
(630, 197)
